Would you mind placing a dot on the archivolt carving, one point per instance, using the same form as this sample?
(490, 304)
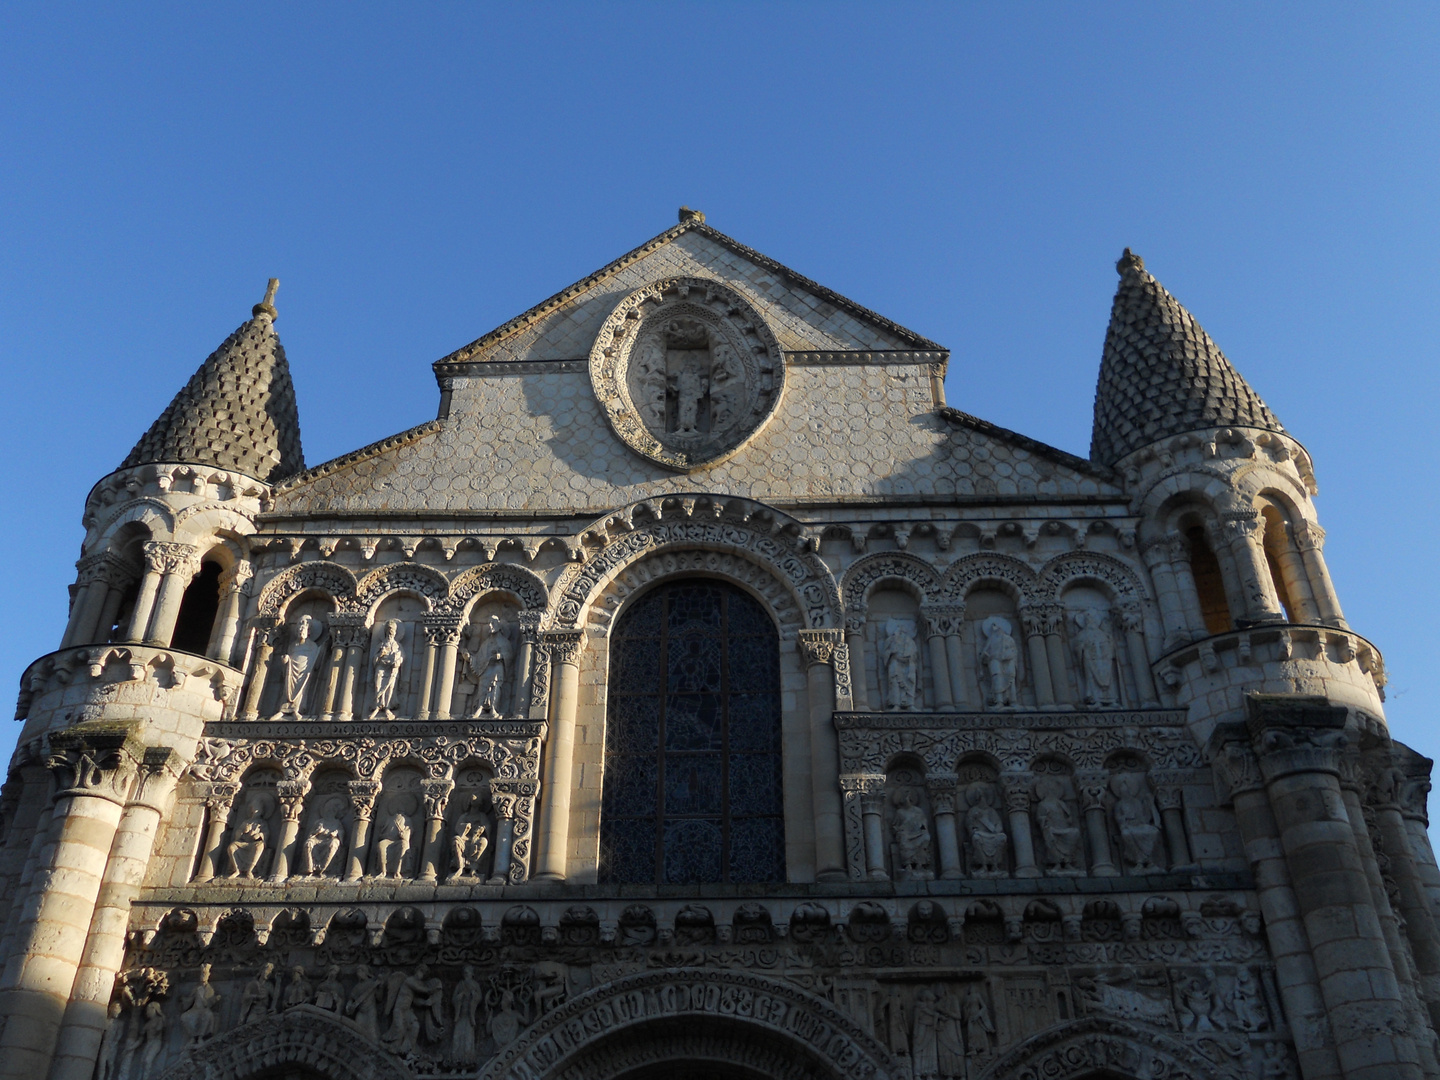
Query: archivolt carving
(812, 1026)
(989, 567)
(302, 1036)
(1063, 569)
(153, 514)
(871, 570)
(215, 519)
(811, 587)
(512, 579)
(429, 583)
(1086, 1047)
(333, 578)
(731, 1046)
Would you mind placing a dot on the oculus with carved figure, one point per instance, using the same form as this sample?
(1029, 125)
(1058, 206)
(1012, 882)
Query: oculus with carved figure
(687, 371)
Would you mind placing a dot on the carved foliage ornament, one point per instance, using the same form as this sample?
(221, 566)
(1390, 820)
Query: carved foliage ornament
(686, 371)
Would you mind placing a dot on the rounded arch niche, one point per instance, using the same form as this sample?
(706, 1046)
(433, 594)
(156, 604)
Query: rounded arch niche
(695, 1024)
(303, 1041)
(687, 370)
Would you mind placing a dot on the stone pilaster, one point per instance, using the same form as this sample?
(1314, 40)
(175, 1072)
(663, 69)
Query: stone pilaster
(827, 673)
(562, 649)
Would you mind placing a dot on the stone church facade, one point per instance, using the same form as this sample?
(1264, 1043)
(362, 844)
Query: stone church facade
(699, 694)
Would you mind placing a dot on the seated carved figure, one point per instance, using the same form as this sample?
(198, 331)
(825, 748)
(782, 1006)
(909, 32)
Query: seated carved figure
(468, 847)
(986, 831)
(1135, 818)
(251, 838)
(911, 832)
(1056, 818)
(393, 843)
(326, 838)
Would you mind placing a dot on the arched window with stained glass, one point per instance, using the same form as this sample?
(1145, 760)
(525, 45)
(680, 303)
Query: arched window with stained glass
(692, 788)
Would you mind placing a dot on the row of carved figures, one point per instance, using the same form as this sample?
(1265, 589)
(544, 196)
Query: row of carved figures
(971, 836)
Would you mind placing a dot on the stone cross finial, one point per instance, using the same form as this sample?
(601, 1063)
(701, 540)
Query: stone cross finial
(267, 306)
(1129, 261)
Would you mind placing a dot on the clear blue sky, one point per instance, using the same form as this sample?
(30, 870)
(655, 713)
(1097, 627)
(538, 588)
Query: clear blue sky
(416, 174)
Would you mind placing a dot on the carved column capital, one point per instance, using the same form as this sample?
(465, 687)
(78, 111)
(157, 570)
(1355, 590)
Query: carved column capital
(942, 619)
(436, 794)
(160, 767)
(348, 629)
(530, 626)
(1235, 766)
(291, 794)
(219, 796)
(1308, 535)
(97, 759)
(563, 646)
(362, 797)
(855, 622)
(1131, 618)
(1092, 784)
(1295, 735)
(105, 566)
(942, 789)
(1016, 787)
(1041, 619)
(818, 646)
(237, 578)
(168, 557)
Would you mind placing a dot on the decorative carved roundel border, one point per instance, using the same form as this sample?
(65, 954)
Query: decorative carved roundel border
(621, 359)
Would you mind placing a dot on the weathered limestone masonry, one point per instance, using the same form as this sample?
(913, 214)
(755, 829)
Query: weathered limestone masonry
(699, 694)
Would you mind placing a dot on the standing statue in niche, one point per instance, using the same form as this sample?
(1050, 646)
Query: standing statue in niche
(299, 992)
(911, 833)
(649, 378)
(999, 657)
(326, 838)
(298, 664)
(388, 660)
(198, 1019)
(899, 665)
(691, 386)
(154, 1031)
(490, 663)
(986, 831)
(393, 843)
(727, 384)
(1138, 822)
(251, 837)
(1095, 656)
(1056, 818)
(465, 1003)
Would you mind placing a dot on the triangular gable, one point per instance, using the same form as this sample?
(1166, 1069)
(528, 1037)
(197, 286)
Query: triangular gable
(806, 316)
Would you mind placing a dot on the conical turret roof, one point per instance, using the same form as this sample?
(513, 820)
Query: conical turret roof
(237, 412)
(1161, 375)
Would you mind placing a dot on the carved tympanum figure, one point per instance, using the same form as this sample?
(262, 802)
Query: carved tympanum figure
(153, 1028)
(691, 387)
(505, 1018)
(949, 1037)
(1197, 1004)
(910, 831)
(260, 996)
(326, 838)
(406, 995)
(393, 842)
(465, 1003)
(330, 994)
(979, 1027)
(1246, 1003)
(924, 1037)
(299, 992)
(251, 837)
(986, 831)
(388, 660)
(490, 663)
(999, 657)
(892, 1024)
(362, 1006)
(899, 664)
(1056, 818)
(298, 664)
(1095, 657)
(198, 1019)
(1138, 822)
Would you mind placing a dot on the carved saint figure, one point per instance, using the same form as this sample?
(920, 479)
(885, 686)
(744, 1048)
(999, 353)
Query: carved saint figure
(465, 1003)
(899, 664)
(199, 1019)
(1056, 818)
(924, 1040)
(1095, 653)
(393, 843)
(505, 1019)
(986, 831)
(910, 831)
(298, 664)
(1138, 822)
(258, 997)
(999, 656)
(388, 660)
(949, 1037)
(690, 389)
(469, 843)
(109, 1063)
(330, 994)
(362, 1006)
(1197, 1004)
(491, 662)
(326, 838)
(893, 1026)
(407, 994)
(1245, 1002)
(648, 381)
(979, 1028)
(299, 992)
(727, 384)
(251, 837)
(154, 1030)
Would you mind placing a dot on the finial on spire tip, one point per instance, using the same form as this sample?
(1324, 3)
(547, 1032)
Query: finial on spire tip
(686, 214)
(267, 306)
(1129, 261)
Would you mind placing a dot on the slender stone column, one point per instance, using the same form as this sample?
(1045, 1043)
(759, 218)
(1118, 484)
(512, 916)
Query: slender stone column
(1299, 743)
(1054, 616)
(144, 602)
(1241, 533)
(855, 638)
(233, 585)
(1169, 797)
(939, 662)
(291, 794)
(1016, 786)
(1410, 892)
(1034, 622)
(872, 810)
(427, 675)
(332, 677)
(38, 855)
(944, 793)
(266, 633)
(85, 1015)
(177, 563)
(563, 649)
(109, 612)
(350, 639)
(950, 619)
(1310, 539)
(98, 574)
(448, 638)
(525, 663)
(436, 794)
(824, 652)
(362, 800)
(219, 798)
(1189, 593)
(96, 766)
(77, 609)
(504, 839)
(1092, 787)
(25, 817)
(1296, 576)
(1132, 622)
(1176, 619)
(1413, 797)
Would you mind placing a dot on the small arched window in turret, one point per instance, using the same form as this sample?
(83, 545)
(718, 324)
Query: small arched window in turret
(198, 608)
(1209, 583)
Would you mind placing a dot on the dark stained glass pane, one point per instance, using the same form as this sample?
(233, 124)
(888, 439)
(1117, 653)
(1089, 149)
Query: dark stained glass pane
(630, 785)
(693, 722)
(694, 665)
(692, 784)
(634, 725)
(692, 850)
(694, 609)
(627, 850)
(637, 665)
(754, 665)
(757, 849)
(755, 784)
(754, 722)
